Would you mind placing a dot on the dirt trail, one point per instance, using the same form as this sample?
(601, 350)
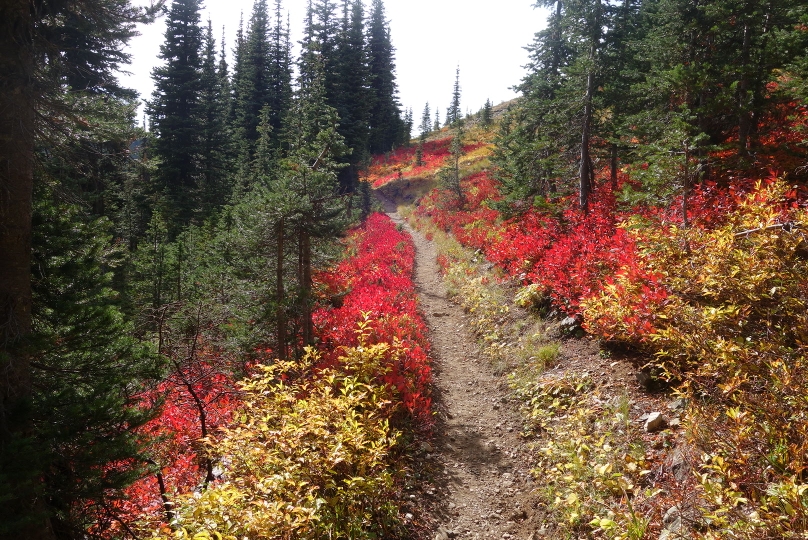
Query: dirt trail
(482, 484)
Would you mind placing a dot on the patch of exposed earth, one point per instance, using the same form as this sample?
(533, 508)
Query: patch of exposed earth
(476, 479)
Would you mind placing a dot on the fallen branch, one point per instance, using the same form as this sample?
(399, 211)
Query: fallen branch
(787, 227)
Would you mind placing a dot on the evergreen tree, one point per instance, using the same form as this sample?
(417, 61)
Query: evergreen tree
(408, 123)
(89, 370)
(215, 139)
(426, 122)
(534, 147)
(453, 114)
(385, 122)
(310, 169)
(253, 80)
(280, 75)
(39, 52)
(175, 110)
(239, 55)
(352, 94)
(449, 174)
(436, 126)
(486, 115)
(424, 129)
(326, 32)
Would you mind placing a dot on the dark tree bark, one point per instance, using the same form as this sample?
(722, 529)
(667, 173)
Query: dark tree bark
(305, 286)
(281, 311)
(586, 162)
(17, 102)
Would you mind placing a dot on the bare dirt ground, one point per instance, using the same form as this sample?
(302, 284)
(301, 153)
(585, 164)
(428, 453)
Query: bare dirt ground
(477, 481)
(480, 463)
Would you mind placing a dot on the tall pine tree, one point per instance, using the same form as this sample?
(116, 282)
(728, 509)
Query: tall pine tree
(215, 138)
(385, 122)
(453, 113)
(175, 110)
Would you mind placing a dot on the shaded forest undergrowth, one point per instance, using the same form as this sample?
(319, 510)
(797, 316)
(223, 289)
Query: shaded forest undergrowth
(307, 448)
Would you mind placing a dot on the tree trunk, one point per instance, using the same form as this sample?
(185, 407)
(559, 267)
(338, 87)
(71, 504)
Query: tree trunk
(744, 105)
(305, 286)
(613, 168)
(280, 315)
(586, 163)
(586, 170)
(17, 104)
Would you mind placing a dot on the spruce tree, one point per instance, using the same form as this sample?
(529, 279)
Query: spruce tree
(280, 75)
(536, 150)
(174, 110)
(426, 122)
(89, 371)
(215, 139)
(408, 124)
(315, 149)
(424, 129)
(453, 113)
(352, 93)
(37, 56)
(486, 116)
(253, 80)
(239, 55)
(449, 174)
(385, 122)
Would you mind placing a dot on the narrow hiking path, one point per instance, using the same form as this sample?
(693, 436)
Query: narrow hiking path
(481, 482)
(475, 477)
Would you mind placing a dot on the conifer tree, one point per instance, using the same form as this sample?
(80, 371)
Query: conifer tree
(408, 124)
(486, 116)
(213, 105)
(253, 80)
(89, 370)
(310, 169)
(453, 113)
(280, 74)
(426, 122)
(39, 52)
(385, 122)
(537, 152)
(449, 174)
(424, 129)
(239, 55)
(352, 94)
(174, 110)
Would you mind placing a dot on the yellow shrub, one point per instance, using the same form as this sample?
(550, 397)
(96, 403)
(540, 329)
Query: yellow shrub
(733, 331)
(308, 458)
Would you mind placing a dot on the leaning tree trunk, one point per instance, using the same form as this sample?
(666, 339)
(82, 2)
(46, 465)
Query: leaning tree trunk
(17, 103)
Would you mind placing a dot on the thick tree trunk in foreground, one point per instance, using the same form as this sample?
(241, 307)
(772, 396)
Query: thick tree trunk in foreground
(17, 101)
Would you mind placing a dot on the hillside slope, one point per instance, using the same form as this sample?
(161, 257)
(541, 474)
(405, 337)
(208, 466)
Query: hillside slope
(704, 325)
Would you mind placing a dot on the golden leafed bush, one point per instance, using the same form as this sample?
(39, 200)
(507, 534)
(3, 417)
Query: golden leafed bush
(308, 458)
(725, 312)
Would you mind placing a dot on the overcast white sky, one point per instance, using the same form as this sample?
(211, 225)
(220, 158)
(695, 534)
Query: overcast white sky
(432, 37)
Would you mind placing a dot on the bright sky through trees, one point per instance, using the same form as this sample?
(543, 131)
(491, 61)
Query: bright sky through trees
(432, 37)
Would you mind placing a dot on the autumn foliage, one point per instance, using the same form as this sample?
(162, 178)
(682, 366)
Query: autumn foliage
(718, 302)
(306, 448)
(375, 283)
